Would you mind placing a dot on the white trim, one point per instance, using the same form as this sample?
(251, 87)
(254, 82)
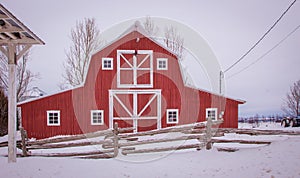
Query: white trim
(111, 108)
(109, 59)
(130, 118)
(167, 116)
(102, 117)
(162, 60)
(48, 117)
(135, 108)
(212, 109)
(134, 67)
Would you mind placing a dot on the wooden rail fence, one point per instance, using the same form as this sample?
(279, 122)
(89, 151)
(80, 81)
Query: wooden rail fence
(119, 140)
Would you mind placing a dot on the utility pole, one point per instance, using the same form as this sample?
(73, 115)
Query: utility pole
(221, 80)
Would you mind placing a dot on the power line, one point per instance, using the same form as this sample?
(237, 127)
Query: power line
(265, 34)
(266, 53)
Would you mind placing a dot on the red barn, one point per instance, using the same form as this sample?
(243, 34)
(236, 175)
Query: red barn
(134, 81)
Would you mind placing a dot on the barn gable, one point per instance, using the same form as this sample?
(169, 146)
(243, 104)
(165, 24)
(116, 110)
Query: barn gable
(134, 81)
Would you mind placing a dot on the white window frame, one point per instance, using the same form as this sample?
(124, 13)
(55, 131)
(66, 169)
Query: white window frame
(212, 109)
(111, 62)
(48, 117)
(167, 117)
(102, 117)
(162, 60)
(134, 67)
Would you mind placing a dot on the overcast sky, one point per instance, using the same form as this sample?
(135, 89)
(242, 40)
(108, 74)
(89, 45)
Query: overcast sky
(230, 27)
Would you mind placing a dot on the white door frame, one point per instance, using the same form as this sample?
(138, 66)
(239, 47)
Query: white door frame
(134, 115)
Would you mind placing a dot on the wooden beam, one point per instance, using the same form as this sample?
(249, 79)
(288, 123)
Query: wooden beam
(11, 29)
(151, 141)
(71, 138)
(12, 104)
(71, 154)
(256, 142)
(116, 140)
(24, 139)
(12, 36)
(24, 40)
(23, 51)
(65, 145)
(3, 16)
(3, 37)
(149, 150)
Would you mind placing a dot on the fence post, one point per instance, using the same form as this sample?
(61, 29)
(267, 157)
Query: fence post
(24, 139)
(208, 133)
(116, 139)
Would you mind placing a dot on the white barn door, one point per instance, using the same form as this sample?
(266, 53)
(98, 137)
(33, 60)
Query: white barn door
(139, 108)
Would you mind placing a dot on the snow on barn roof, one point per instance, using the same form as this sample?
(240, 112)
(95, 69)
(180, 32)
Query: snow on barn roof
(183, 64)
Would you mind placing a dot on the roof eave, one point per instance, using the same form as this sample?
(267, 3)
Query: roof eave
(21, 28)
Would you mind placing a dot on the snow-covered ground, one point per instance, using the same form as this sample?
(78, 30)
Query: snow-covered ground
(280, 159)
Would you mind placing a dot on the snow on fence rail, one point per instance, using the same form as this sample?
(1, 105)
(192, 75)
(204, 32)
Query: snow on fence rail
(118, 140)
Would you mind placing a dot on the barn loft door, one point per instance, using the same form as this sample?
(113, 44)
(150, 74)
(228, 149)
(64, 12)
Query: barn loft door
(135, 68)
(140, 109)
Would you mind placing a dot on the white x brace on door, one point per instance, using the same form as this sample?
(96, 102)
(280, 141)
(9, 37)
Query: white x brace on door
(131, 106)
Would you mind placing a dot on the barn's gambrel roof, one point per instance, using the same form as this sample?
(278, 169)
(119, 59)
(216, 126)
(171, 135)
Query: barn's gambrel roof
(137, 27)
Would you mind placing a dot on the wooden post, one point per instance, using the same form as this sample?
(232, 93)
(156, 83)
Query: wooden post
(208, 133)
(116, 140)
(24, 138)
(12, 104)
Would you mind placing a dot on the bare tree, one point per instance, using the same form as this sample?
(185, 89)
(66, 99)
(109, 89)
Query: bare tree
(172, 38)
(3, 72)
(291, 104)
(3, 113)
(174, 41)
(85, 40)
(24, 76)
(150, 27)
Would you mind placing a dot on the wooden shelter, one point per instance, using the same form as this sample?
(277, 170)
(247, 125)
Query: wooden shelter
(13, 35)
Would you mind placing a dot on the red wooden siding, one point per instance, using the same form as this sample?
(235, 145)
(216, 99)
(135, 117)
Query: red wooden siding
(75, 105)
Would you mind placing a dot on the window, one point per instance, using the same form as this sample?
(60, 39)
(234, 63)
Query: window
(172, 116)
(162, 64)
(53, 118)
(97, 117)
(107, 63)
(211, 113)
(134, 68)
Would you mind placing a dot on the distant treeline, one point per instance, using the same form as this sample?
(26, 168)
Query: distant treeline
(255, 119)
